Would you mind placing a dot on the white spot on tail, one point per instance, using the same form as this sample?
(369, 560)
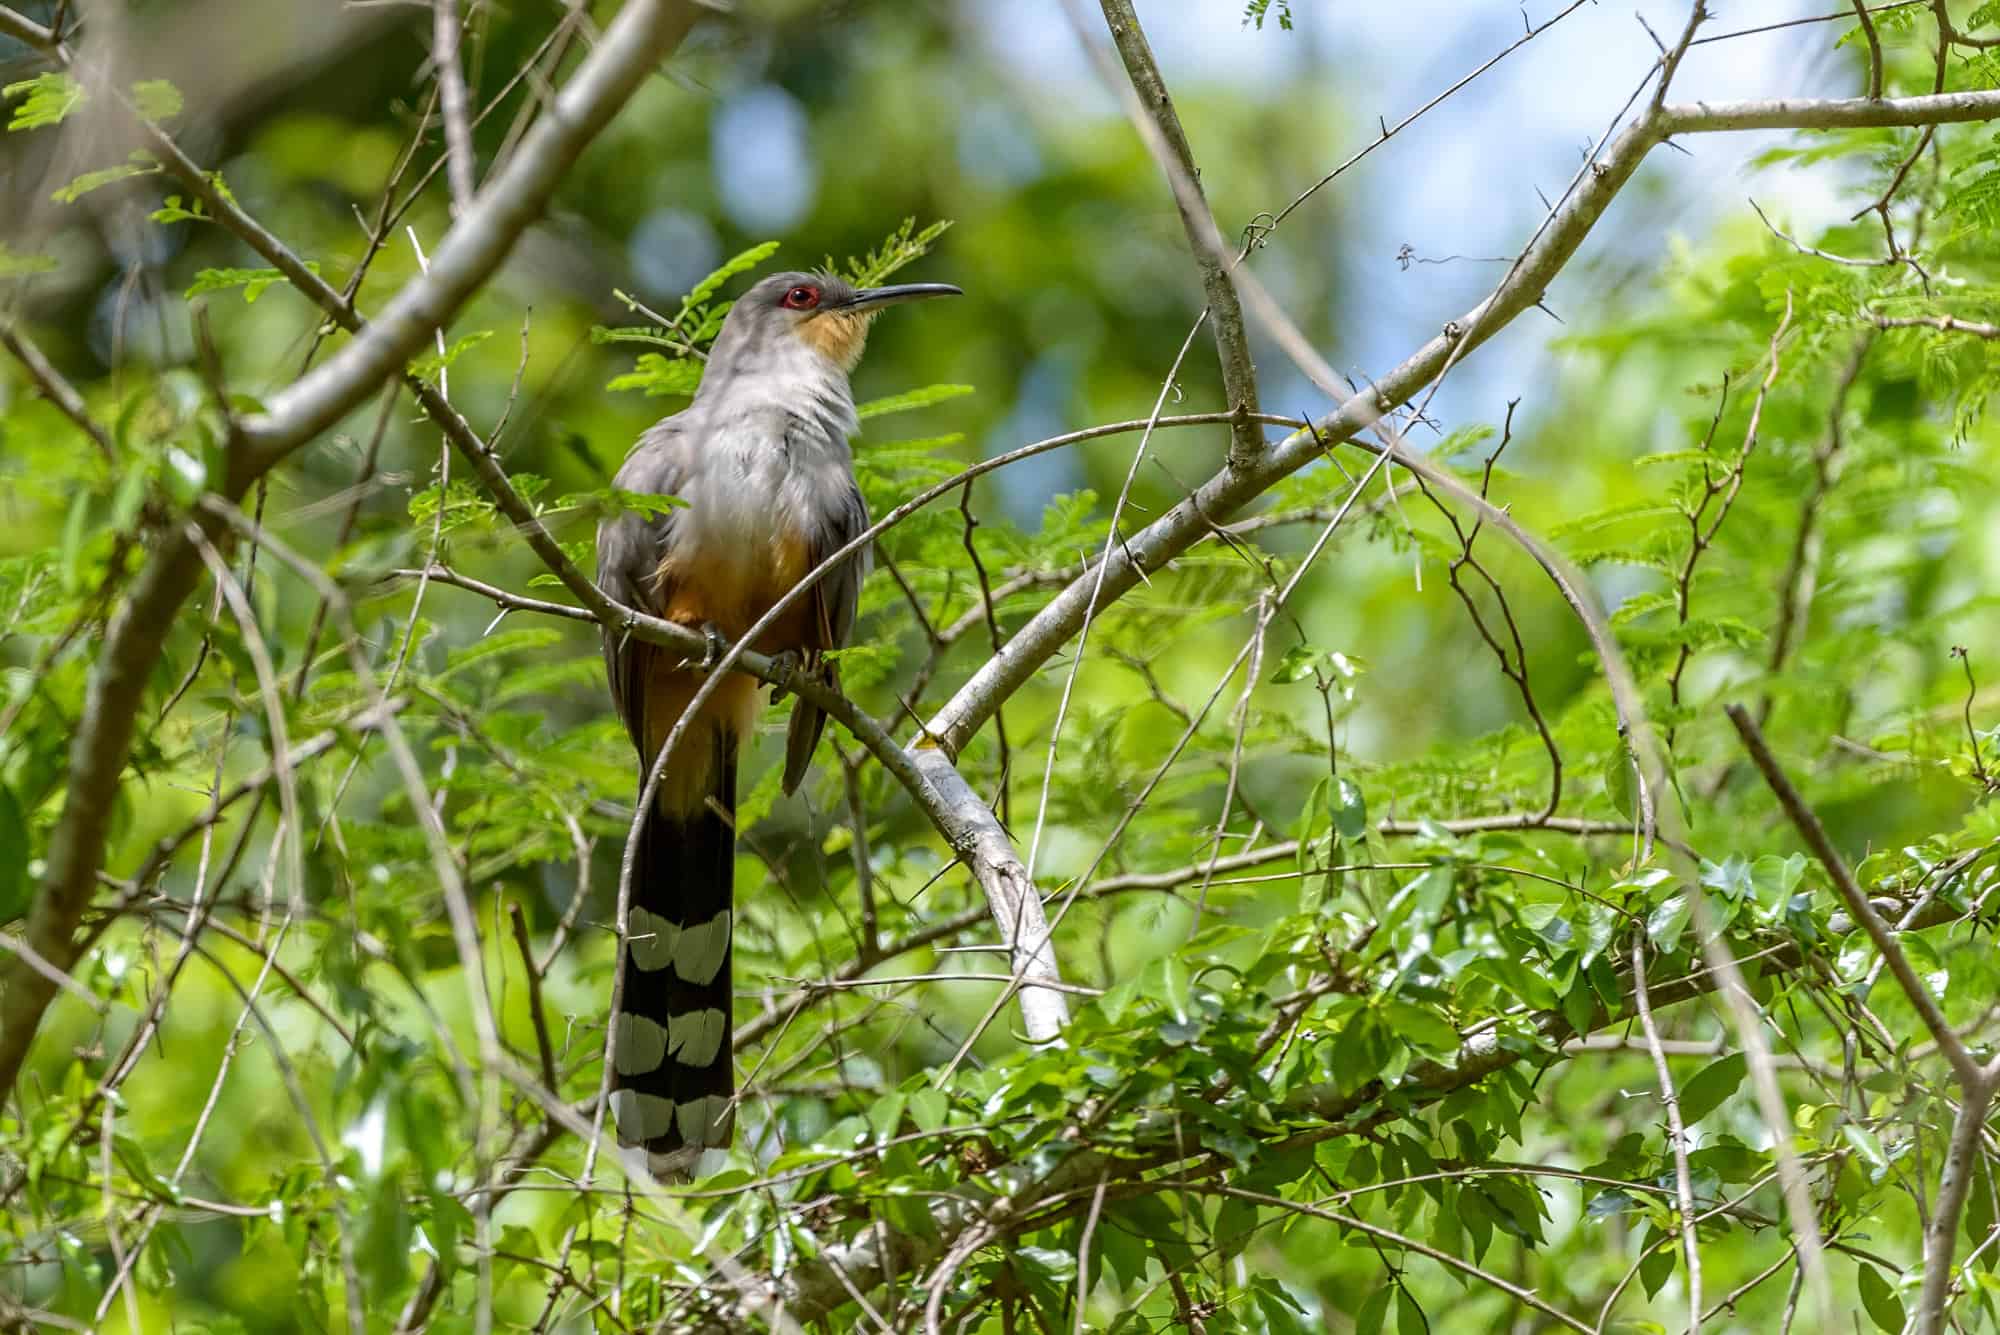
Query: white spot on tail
(699, 952)
(641, 1045)
(695, 1038)
(650, 938)
(641, 1117)
(704, 1121)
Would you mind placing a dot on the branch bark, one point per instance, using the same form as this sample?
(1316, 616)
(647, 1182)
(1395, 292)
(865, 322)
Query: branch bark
(975, 835)
(1225, 312)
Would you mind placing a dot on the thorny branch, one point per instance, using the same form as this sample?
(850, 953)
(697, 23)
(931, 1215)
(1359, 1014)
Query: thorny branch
(965, 1222)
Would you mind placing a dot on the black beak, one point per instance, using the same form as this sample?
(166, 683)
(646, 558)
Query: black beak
(874, 298)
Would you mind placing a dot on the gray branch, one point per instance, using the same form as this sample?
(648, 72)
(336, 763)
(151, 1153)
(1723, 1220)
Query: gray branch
(970, 827)
(452, 104)
(1232, 345)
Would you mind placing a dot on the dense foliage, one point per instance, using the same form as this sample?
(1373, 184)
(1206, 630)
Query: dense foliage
(1398, 953)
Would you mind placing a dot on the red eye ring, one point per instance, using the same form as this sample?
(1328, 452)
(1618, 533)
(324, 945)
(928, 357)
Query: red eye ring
(801, 298)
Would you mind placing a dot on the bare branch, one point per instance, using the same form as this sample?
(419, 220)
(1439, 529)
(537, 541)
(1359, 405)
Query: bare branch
(1232, 344)
(452, 104)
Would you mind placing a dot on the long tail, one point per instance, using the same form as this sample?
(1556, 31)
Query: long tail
(673, 1082)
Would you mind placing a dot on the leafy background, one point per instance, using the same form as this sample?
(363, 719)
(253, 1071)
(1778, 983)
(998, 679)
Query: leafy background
(1367, 1010)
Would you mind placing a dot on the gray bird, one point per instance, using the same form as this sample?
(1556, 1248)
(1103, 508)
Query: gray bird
(761, 460)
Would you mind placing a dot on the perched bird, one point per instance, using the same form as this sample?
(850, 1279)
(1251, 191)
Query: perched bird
(760, 459)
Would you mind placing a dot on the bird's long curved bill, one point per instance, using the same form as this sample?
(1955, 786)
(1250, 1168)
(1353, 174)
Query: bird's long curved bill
(874, 298)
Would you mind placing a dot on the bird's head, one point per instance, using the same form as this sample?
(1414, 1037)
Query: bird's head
(823, 313)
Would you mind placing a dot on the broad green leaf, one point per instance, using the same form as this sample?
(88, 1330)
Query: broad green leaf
(1713, 1084)
(1665, 923)
(1348, 810)
(1879, 1300)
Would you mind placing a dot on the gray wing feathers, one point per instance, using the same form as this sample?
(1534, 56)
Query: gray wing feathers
(840, 592)
(629, 548)
(836, 597)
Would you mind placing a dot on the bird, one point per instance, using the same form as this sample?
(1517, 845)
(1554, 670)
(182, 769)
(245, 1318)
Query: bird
(761, 466)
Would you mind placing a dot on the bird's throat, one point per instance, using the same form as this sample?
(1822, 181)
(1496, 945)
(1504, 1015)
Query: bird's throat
(838, 336)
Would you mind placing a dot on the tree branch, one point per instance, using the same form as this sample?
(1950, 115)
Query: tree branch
(1232, 344)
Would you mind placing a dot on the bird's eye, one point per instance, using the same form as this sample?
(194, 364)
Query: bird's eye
(802, 298)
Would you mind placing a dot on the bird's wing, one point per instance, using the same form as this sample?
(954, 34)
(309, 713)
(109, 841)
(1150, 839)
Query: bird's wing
(835, 599)
(630, 546)
(838, 593)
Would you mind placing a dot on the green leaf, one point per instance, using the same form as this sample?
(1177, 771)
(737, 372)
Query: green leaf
(156, 99)
(1295, 665)
(14, 265)
(45, 100)
(1618, 788)
(1374, 1313)
(1665, 923)
(1282, 1314)
(1661, 1258)
(252, 281)
(1348, 810)
(1884, 1308)
(912, 399)
(1256, 11)
(735, 264)
(1056, 1267)
(1714, 1083)
(659, 376)
(172, 211)
(141, 163)
(1424, 1028)
(427, 366)
(1409, 1317)
(609, 502)
(901, 247)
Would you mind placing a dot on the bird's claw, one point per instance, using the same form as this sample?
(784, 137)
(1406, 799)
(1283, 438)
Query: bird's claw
(784, 666)
(716, 645)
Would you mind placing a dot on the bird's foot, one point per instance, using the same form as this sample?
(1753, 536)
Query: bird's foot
(785, 665)
(717, 645)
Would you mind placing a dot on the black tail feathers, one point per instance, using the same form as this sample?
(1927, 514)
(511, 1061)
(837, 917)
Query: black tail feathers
(673, 1084)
